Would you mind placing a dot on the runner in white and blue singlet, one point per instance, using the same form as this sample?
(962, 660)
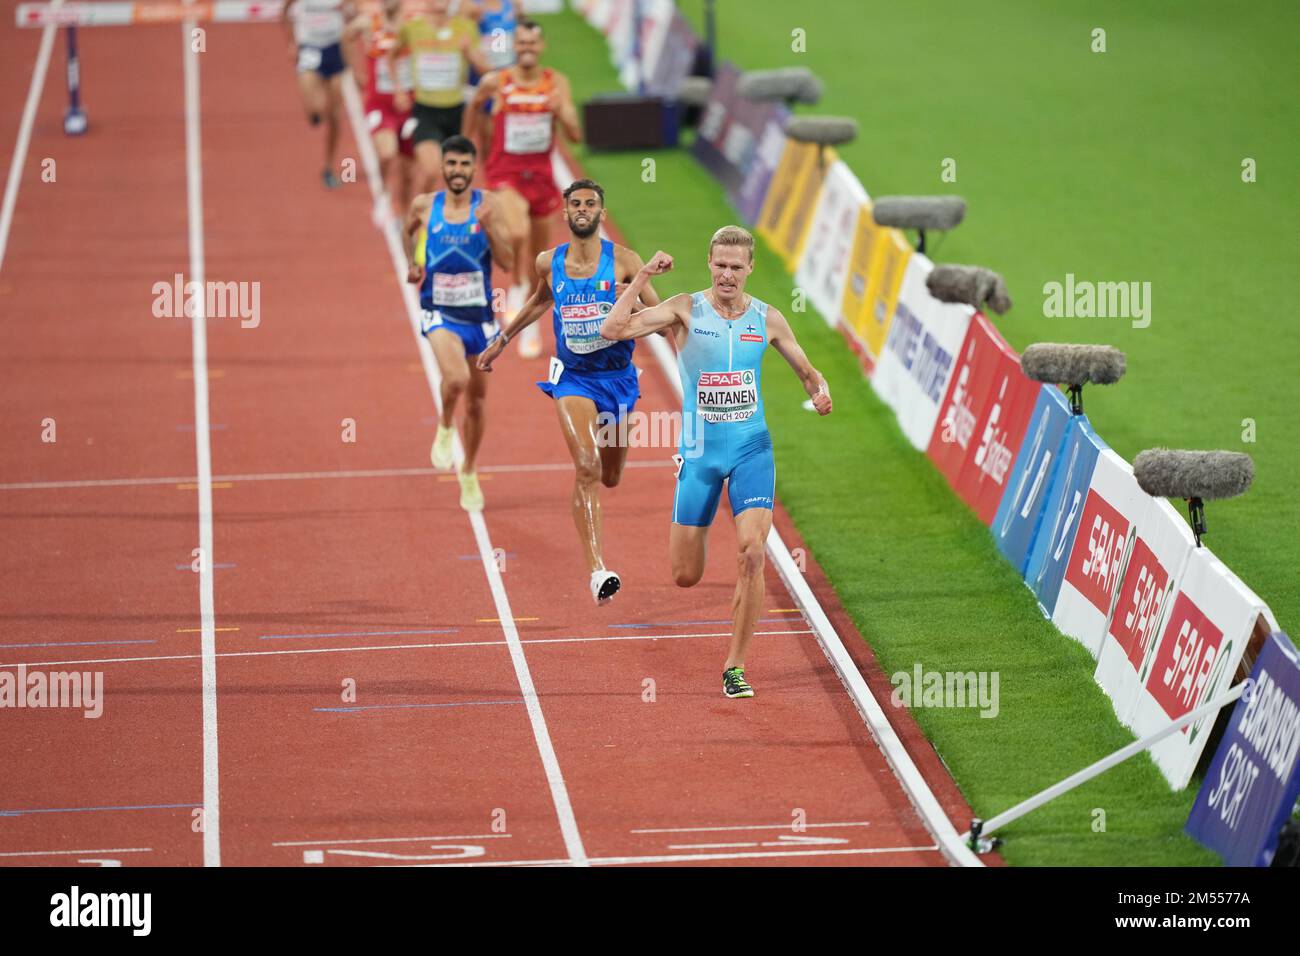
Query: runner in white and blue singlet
(458, 233)
(592, 379)
(317, 28)
(721, 335)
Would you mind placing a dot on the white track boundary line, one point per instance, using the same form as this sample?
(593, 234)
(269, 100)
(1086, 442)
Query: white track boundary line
(423, 839)
(762, 826)
(203, 451)
(695, 857)
(19, 158)
(394, 647)
(555, 779)
(914, 785)
(308, 475)
(134, 849)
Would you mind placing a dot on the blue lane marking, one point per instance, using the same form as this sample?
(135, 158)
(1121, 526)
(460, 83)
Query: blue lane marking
(766, 620)
(468, 703)
(76, 643)
(147, 806)
(290, 637)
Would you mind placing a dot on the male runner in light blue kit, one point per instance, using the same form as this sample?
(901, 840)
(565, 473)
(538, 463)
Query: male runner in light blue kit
(721, 334)
(589, 375)
(460, 233)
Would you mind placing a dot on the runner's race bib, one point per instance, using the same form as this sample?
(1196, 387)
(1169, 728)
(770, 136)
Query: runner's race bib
(528, 133)
(726, 396)
(582, 324)
(438, 71)
(458, 290)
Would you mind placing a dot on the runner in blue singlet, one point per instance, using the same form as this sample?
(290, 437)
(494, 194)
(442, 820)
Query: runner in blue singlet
(721, 334)
(592, 379)
(459, 233)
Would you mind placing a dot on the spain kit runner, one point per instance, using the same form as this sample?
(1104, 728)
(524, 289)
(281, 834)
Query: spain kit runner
(721, 334)
(591, 379)
(459, 233)
(527, 104)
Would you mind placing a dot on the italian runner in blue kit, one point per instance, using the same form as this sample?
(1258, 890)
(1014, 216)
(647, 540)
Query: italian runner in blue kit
(457, 234)
(591, 378)
(721, 334)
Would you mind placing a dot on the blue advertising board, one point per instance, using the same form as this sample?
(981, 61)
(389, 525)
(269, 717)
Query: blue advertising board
(1254, 780)
(1036, 461)
(1061, 512)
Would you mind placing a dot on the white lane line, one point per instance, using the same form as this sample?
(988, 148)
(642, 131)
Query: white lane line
(136, 849)
(203, 451)
(394, 647)
(19, 158)
(423, 839)
(700, 857)
(307, 476)
(775, 826)
(555, 779)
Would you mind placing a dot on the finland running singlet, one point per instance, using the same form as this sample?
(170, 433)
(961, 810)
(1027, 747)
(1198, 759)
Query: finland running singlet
(581, 306)
(458, 265)
(721, 371)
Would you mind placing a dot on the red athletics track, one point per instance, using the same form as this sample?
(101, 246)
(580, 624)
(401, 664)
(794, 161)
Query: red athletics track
(99, 571)
(325, 575)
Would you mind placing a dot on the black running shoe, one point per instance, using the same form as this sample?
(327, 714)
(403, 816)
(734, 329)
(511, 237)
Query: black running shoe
(734, 684)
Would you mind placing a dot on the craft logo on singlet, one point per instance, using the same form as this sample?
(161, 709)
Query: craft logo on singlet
(1093, 569)
(726, 396)
(1185, 660)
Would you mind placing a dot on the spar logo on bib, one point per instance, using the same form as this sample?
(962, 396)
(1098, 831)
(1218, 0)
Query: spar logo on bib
(726, 396)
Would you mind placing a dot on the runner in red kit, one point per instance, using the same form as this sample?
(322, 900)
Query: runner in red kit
(391, 129)
(528, 101)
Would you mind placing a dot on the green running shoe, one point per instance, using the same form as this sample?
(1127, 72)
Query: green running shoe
(734, 684)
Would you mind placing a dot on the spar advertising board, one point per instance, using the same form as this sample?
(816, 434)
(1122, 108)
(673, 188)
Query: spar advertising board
(750, 198)
(1213, 618)
(1152, 570)
(916, 363)
(1254, 778)
(1026, 495)
(1054, 540)
(985, 413)
(824, 264)
(1107, 531)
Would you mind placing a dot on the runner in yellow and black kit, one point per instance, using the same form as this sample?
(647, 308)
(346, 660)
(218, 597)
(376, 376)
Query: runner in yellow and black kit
(442, 48)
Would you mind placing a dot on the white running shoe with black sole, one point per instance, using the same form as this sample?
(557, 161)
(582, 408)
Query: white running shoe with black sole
(604, 585)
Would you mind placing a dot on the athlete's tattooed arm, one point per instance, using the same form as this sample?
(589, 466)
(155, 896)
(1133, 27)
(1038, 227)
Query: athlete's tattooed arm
(622, 323)
(781, 337)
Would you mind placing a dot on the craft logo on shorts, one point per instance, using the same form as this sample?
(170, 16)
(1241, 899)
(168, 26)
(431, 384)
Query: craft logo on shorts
(726, 396)
(213, 300)
(77, 690)
(1094, 565)
(75, 908)
(1185, 660)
